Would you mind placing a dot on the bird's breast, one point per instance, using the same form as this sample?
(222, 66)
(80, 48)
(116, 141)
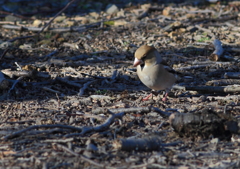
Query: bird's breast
(146, 77)
(155, 77)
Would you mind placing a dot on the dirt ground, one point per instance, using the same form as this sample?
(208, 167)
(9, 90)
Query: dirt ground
(70, 96)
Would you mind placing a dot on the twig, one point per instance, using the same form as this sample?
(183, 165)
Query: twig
(98, 128)
(162, 113)
(61, 147)
(131, 110)
(34, 29)
(14, 84)
(100, 97)
(3, 82)
(48, 55)
(190, 67)
(126, 110)
(205, 30)
(12, 74)
(18, 122)
(18, 133)
(40, 30)
(67, 82)
(19, 67)
(50, 90)
(92, 162)
(25, 73)
(17, 38)
(85, 86)
(143, 14)
(56, 16)
(48, 132)
(4, 53)
(59, 140)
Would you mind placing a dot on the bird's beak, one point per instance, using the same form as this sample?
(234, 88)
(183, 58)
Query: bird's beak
(137, 62)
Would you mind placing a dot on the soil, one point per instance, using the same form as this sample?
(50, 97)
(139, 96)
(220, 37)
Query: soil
(70, 96)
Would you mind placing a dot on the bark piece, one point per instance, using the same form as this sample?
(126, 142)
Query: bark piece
(218, 50)
(203, 124)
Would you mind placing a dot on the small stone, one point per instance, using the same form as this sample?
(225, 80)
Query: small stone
(59, 19)
(111, 8)
(95, 15)
(145, 6)
(84, 20)
(70, 23)
(197, 37)
(12, 18)
(166, 11)
(215, 141)
(120, 22)
(121, 13)
(154, 114)
(37, 23)
(5, 45)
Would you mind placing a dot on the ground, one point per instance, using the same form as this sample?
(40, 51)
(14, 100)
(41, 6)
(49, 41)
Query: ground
(71, 98)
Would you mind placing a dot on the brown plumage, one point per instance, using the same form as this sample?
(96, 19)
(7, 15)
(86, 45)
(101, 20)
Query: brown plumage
(152, 70)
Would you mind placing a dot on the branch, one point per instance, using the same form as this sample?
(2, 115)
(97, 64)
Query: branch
(98, 128)
(234, 75)
(56, 16)
(223, 82)
(18, 133)
(218, 89)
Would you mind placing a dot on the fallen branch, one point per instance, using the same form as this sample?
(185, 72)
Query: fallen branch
(18, 133)
(218, 89)
(132, 110)
(101, 127)
(223, 82)
(85, 86)
(234, 75)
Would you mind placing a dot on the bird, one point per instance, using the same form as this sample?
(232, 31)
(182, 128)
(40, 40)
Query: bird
(153, 71)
